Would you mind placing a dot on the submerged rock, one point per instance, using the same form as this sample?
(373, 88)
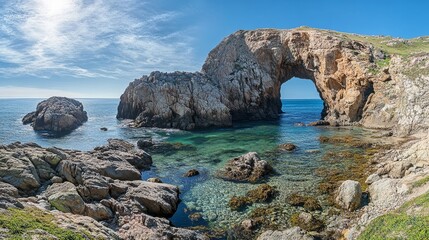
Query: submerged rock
(349, 195)
(248, 168)
(57, 115)
(307, 222)
(191, 173)
(287, 147)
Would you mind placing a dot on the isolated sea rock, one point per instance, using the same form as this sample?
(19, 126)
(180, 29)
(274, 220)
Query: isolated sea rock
(57, 115)
(247, 168)
(349, 195)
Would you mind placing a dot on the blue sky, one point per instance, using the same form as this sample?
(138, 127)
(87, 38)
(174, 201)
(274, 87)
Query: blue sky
(94, 48)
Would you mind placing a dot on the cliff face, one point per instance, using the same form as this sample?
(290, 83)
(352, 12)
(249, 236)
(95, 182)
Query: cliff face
(242, 76)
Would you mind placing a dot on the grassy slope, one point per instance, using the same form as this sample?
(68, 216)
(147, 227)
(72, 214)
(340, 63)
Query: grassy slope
(411, 221)
(403, 47)
(20, 222)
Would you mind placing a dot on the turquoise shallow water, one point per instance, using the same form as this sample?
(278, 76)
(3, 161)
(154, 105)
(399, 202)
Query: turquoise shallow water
(206, 151)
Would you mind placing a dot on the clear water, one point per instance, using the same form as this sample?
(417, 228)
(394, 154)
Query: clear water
(206, 151)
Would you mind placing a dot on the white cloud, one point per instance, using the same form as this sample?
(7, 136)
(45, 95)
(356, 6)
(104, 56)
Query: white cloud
(27, 92)
(80, 38)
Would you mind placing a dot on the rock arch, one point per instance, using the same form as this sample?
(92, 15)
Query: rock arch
(241, 80)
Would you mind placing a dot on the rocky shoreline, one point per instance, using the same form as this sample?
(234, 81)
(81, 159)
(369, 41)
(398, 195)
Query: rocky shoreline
(99, 194)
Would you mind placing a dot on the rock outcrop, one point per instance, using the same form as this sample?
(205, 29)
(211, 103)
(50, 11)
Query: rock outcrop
(57, 115)
(103, 185)
(241, 78)
(246, 168)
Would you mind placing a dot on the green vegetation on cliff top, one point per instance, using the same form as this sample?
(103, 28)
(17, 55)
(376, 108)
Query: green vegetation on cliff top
(391, 45)
(17, 224)
(411, 221)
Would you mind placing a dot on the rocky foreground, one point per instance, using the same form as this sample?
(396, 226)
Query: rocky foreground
(94, 195)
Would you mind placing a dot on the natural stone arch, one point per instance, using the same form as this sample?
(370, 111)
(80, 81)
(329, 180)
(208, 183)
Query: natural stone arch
(241, 80)
(252, 65)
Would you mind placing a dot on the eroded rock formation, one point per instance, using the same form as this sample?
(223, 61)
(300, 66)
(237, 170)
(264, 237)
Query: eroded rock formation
(241, 79)
(57, 115)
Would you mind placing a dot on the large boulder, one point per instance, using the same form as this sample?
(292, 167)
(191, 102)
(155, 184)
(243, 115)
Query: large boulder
(158, 199)
(248, 167)
(57, 115)
(349, 195)
(18, 170)
(64, 197)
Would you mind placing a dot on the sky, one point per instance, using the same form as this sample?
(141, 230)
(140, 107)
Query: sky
(94, 48)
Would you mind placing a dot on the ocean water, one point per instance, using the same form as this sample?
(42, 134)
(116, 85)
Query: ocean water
(206, 151)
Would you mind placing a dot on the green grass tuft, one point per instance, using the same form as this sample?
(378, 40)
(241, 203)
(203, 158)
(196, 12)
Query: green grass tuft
(19, 222)
(410, 221)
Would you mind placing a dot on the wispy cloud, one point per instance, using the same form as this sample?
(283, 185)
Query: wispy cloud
(97, 38)
(28, 92)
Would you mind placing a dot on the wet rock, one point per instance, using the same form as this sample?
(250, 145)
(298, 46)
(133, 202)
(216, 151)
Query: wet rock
(287, 147)
(64, 197)
(349, 195)
(319, 123)
(299, 124)
(57, 115)
(309, 203)
(262, 193)
(104, 129)
(294, 233)
(191, 173)
(307, 222)
(248, 224)
(144, 143)
(195, 216)
(248, 167)
(154, 180)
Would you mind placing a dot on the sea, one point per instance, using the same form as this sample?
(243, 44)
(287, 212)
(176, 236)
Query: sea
(207, 151)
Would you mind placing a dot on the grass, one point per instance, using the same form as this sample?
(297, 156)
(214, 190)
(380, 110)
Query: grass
(421, 182)
(403, 48)
(411, 221)
(20, 222)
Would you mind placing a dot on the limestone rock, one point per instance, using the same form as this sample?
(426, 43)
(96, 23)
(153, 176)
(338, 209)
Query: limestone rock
(57, 115)
(248, 167)
(349, 195)
(294, 233)
(64, 197)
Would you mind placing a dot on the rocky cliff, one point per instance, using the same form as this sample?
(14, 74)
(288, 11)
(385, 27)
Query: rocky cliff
(373, 81)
